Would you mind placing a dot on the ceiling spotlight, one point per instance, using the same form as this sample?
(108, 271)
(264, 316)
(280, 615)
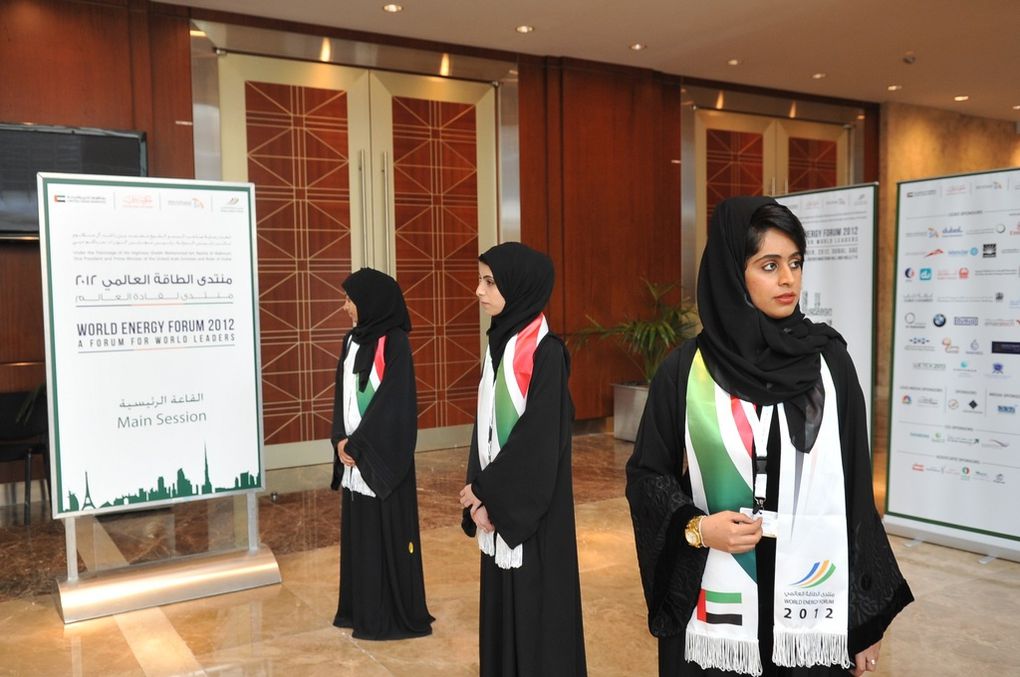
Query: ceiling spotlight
(733, 62)
(817, 76)
(894, 88)
(393, 8)
(638, 46)
(524, 28)
(910, 58)
(961, 97)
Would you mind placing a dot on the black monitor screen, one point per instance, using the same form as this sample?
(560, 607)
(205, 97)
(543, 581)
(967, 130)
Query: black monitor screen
(27, 149)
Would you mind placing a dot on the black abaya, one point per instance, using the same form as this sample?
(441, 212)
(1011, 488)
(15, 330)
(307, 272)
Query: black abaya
(659, 493)
(530, 617)
(382, 588)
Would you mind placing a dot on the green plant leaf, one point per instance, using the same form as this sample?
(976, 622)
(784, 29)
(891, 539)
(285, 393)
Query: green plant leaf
(647, 341)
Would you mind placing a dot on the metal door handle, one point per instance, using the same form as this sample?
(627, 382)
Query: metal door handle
(364, 208)
(386, 211)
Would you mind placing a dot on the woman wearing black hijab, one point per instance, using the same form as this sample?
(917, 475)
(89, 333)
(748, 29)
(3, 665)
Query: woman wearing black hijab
(750, 486)
(518, 500)
(375, 426)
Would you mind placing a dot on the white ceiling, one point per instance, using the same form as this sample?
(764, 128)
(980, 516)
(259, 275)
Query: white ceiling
(962, 47)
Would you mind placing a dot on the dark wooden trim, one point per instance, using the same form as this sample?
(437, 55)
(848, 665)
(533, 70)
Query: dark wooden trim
(778, 93)
(169, 10)
(200, 14)
(872, 144)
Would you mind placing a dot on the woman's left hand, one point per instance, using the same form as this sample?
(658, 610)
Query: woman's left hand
(867, 660)
(341, 452)
(468, 498)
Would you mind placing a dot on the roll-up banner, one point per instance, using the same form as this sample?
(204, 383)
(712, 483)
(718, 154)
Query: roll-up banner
(954, 430)
(839, 268)
(152, 353)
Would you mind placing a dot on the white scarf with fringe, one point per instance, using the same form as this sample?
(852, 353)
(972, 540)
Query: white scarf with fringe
(502, 397)
(811, 593)
(356, 403)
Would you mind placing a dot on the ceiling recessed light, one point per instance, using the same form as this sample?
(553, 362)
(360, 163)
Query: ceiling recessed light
(894, 88)
(1016, 107)
(817, 76)
(393, 8)
(638, 46)
(524, 28)
(961, 97)
(733, 62)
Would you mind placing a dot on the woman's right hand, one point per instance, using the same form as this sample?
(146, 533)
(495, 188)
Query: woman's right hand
(341, 453)
(731, 532)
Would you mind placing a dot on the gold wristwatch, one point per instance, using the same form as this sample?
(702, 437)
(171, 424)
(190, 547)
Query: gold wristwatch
(693, 532)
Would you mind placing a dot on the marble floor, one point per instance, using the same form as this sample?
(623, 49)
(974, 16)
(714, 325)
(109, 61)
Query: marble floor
(966, 619)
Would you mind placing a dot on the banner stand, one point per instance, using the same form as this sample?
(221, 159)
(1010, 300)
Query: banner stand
(150, 296)
(140, 586)
(952, 471)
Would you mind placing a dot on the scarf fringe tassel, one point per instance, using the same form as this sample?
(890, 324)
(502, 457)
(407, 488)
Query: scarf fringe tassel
(494, 546)
(356, 483)
(804, 649)
(732, 655)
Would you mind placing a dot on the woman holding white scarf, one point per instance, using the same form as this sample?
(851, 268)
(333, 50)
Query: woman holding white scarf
(518, 500)
(750, 486)
(375, 426)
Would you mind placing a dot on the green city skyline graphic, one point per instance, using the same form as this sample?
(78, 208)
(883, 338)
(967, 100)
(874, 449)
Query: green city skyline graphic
(182, 488)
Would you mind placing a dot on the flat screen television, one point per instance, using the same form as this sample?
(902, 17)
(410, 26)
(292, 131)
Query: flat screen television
(27, 149)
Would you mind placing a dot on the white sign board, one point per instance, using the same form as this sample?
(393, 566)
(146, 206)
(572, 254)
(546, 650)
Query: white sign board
(954, 437)
(839, 269)
(152, 356)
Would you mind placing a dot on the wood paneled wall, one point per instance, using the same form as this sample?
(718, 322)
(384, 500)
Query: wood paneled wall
(113, 64)
(600, 192)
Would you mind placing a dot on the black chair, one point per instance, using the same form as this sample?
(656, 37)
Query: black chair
(24, 432)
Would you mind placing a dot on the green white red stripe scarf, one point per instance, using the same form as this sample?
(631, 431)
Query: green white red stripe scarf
(812, 564)
(356, 403)
(502, 398)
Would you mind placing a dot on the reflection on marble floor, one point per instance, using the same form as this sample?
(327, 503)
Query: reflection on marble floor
(965, 620)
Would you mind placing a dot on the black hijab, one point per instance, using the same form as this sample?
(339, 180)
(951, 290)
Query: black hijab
(750, 355)
(524, 278)
(381, 308)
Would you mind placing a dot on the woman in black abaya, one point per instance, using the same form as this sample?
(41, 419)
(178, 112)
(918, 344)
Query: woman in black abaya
(382, 589)
(518, 500)
(750, 486)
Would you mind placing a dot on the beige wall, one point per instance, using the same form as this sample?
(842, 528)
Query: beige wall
(916, 143)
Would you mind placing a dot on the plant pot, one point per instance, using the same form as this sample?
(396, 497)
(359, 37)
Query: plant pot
(628, 406)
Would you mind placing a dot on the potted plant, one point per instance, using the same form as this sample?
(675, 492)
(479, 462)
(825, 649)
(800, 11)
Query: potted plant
(646, 341)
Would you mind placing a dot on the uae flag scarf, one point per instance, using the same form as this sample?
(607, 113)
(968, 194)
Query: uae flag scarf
(356, 402)
(502, 397)
(812, 582)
